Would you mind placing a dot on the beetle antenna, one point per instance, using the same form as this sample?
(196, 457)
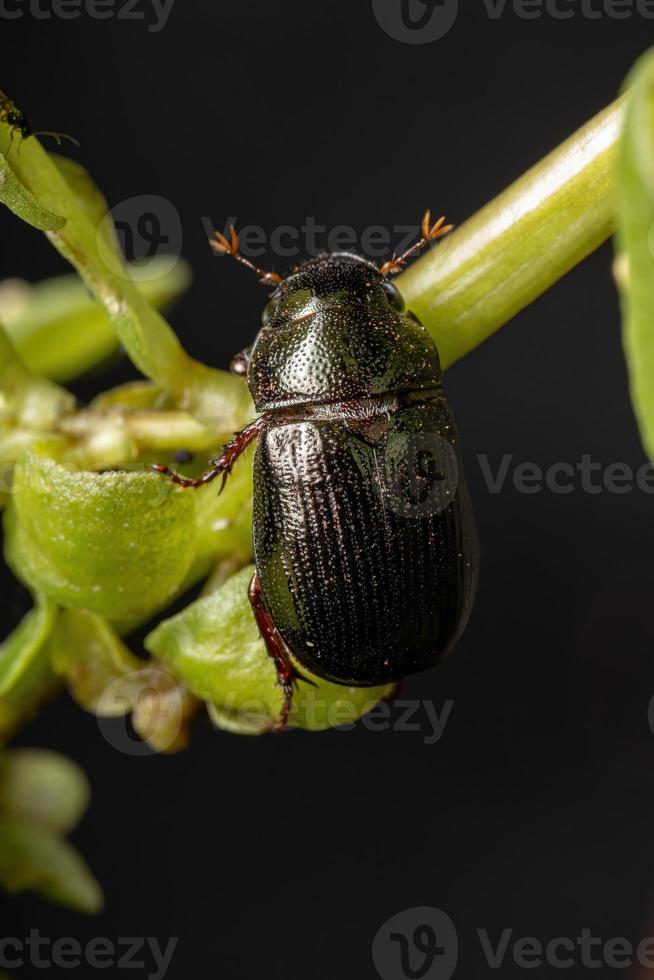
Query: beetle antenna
(57, 136)
(429, 234)
(229, 246)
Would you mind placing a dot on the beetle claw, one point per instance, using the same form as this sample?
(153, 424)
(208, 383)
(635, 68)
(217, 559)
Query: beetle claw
(305, 680)
(223, 482)
(288, 689)
(290, 685)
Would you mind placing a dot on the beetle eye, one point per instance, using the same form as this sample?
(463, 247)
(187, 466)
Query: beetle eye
(393, 295)
(11, 118)
(269, 312)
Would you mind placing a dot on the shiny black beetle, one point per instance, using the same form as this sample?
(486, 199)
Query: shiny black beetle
(364, 537)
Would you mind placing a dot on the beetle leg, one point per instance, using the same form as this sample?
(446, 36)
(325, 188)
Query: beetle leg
(230, 246)
(287, 674)
(429, 231)
(240, 362)
(222, 465)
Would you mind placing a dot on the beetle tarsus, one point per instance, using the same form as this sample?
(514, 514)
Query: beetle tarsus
(230, 246)
(222, 465)
(281, 722)
(429, 232)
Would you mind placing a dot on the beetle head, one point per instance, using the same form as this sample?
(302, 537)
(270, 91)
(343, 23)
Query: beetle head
(338, 279)
(335, 330)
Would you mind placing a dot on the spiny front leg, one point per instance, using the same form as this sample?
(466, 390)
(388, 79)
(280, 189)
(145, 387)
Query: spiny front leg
(222, 465)
(287, 674)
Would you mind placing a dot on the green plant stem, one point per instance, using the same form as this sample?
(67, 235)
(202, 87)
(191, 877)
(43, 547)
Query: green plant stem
(521, 243)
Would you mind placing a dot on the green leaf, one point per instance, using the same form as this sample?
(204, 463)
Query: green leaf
(214, 647)
(117, 544)
(25, 398)
(90, 656)
(636, 242)
(87, 240)
(14, 442)
(131, 395)
(224, 521)
(42, 788)
(16, 196)
(60, 331)
(26, 676)
(33, 859)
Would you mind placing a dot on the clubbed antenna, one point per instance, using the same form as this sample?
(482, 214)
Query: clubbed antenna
(429, 234)
(225, 246)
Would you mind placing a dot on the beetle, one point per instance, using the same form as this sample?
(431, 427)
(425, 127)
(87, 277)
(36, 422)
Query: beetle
(364, 539)
(17, 120)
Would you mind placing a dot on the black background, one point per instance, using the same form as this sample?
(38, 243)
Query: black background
(283, 856)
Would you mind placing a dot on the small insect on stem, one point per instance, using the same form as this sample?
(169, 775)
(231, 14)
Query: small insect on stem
(15, 118)
(429, 234)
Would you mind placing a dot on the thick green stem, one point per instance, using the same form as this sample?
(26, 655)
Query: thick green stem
(517, 246)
